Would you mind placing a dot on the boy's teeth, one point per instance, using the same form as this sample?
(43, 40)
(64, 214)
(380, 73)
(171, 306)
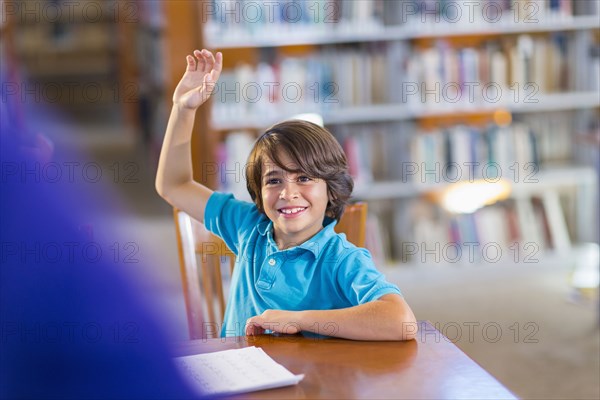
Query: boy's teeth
(291, 210)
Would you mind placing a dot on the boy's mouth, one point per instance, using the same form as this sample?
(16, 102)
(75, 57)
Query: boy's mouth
(291, 211)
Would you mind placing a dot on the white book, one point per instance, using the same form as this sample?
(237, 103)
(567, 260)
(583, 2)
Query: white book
(504, 150)
(451, 73)
(556, 222)
(292, 85)
(266, 105)
(554, 67)
(499, 72)
(355, 77)
(345, 78)
(376, 240)
(594, 82)
(234, 371)
(460, 137)
(362, 14)
(530, 233)
(540, 65)
(402, 70)
(431, 59)
(492, 227)
(246, 77)
(520, 55)
(469, 59)
(579, 50)
(365, 79)
(233, 172)
(522, 146)
(378, 82)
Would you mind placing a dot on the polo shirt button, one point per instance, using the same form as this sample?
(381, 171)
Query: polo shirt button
(271, 262)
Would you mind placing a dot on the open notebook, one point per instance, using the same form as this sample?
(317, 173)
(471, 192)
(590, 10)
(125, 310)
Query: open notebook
(234, 371)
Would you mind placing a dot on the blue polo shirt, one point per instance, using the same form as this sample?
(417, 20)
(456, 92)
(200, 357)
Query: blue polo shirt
(325, 272)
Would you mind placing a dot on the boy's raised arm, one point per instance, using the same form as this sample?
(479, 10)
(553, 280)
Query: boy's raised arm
(174, 181)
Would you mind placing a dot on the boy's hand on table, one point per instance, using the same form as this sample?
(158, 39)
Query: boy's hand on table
(274, 320)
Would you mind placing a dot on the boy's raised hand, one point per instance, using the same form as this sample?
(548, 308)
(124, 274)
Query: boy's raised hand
(198, 82)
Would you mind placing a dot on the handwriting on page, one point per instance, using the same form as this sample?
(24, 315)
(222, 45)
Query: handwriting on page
(235, 371)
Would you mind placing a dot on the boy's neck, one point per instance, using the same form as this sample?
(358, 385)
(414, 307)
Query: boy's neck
(284, 242)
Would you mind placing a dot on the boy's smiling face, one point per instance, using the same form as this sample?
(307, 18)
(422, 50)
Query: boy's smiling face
(295, 202)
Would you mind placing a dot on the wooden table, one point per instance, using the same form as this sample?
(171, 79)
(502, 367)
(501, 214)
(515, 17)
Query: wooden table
(429, 367)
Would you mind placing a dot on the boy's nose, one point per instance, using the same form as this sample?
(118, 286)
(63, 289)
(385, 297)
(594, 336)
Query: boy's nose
(289, 191)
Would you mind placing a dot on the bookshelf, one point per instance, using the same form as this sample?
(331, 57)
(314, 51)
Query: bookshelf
(551, 178)
(349, 35)
(77, 55)
(336, 42)
(398, 112)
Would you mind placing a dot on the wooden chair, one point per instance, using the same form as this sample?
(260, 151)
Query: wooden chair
(207, 264)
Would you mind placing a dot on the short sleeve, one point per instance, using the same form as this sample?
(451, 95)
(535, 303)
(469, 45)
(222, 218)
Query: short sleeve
(359, 279)
(230, 219)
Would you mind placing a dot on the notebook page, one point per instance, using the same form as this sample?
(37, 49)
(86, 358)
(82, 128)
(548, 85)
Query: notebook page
(234, 371)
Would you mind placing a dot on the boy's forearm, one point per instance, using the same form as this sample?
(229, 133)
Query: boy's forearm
(388, 318)
(376, 320)
(175, 162)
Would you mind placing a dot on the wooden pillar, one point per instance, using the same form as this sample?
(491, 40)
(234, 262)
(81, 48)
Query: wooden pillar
(127, 71)
(183, 34)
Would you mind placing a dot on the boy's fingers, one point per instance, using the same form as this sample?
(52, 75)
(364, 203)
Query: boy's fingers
(191, 63)
(250, 328)
(218, 63)
(208, 84)
(215, 72)
(201, 59)
(210, 60)
(254, 326)
(214, 76)
(220, 60)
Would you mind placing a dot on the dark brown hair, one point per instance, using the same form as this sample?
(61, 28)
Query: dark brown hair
(313, 149)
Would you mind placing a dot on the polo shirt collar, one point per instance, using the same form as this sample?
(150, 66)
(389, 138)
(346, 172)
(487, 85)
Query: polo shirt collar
(315, 244)
(264, 226)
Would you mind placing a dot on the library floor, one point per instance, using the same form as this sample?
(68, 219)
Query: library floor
(522, 324)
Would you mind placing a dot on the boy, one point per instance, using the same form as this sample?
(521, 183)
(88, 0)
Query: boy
(293, 272)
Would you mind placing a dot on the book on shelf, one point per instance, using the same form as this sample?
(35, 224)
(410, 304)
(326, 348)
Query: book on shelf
(491, 225)
(541, 219)
(376, 240)
(358, 159)
(528, 226)
(231, 163)
(555, 220)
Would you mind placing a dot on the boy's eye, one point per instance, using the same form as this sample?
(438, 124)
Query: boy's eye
(272, 181)
(304, 179)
